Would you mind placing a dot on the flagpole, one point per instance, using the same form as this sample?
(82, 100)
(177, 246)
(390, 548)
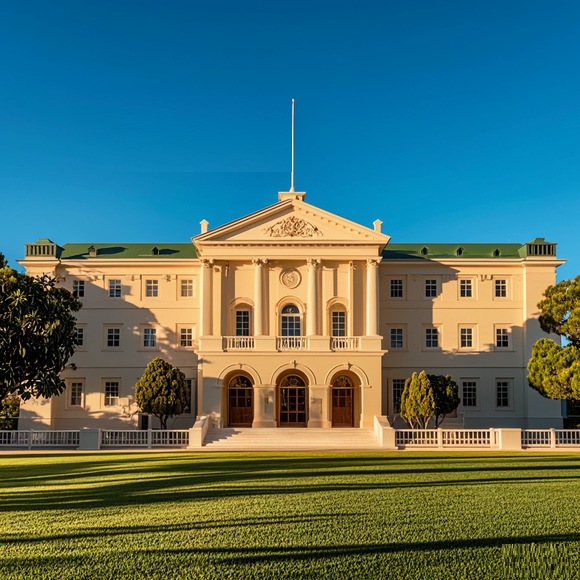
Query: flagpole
(292, 174)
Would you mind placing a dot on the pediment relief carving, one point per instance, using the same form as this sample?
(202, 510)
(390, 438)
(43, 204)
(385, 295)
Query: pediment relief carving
(292, 227)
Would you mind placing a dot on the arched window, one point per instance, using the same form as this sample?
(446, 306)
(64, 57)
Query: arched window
(290, 321)
(342, 382)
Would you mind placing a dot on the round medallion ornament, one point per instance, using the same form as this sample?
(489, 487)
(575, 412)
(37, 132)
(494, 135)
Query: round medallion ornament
(291, 278)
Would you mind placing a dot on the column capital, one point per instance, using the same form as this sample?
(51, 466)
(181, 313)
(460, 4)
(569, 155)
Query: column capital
(207, 263)
(313, 262)
(260, 261)
(373, 262)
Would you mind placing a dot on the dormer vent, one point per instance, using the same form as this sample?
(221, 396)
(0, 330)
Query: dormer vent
(460, 251)
(539, 247)
(44, 248)
(155, 251)
(92, 251)
(424, 251)
(497, 253)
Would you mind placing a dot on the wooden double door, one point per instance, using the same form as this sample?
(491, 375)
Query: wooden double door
(293, 397)
(240, 402)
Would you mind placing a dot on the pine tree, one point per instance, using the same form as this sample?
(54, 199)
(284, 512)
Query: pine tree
(417, 401)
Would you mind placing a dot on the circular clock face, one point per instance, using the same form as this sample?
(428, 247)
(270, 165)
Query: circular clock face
(290, 278)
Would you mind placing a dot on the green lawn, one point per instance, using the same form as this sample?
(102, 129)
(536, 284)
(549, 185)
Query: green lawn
(290, 515)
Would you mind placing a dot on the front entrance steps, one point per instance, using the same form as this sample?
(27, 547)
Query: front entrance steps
(289, 439)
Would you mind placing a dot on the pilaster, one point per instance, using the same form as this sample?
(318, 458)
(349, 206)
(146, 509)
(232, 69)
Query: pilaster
(264, 406)
(319, 405)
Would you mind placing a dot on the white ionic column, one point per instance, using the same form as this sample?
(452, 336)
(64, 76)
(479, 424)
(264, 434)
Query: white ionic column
(206, 297)
(258, 296)
(312, 305)
(372, 327)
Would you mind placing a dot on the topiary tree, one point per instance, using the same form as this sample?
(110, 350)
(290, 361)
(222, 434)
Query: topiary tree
(417, 401)
(9, 412)
(162, 391)
(554, 371)
(446, 395)
(37, 333)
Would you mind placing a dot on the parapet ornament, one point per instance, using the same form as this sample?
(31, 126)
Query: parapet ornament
(292, 227)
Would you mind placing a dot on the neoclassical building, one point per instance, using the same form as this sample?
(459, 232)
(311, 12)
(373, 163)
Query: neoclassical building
(295, 317)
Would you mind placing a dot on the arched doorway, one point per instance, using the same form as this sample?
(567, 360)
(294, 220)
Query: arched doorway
(342, 413)
(293, 401)
(240, 402)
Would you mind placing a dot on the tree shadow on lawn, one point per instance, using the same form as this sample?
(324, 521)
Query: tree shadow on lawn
(159, 487)
(244, 556)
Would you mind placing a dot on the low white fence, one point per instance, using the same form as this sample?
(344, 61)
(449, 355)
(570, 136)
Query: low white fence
(32, 439)
(148, 439)
(444, 437)
(551, 438)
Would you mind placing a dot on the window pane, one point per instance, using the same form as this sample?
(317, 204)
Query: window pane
(469, 394)
(398, 387)
(396, 288)
(187, 288)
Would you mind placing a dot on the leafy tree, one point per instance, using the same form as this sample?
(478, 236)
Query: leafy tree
(446, 395)
(162, 391)
(554, 371)
(9, 411)
(417, 401)
(37, 333)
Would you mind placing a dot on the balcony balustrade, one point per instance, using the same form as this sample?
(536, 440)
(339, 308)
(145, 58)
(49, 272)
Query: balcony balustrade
(238, 343)
(291, 343)
(344, 343)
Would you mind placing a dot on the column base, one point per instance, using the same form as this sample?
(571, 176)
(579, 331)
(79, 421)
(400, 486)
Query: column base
(264, 424)
(317, 424)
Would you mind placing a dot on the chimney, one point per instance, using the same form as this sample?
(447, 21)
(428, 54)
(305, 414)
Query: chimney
(378, 224)
(204, 224)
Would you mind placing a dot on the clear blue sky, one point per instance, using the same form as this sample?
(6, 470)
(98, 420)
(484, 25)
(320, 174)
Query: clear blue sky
(132, 121)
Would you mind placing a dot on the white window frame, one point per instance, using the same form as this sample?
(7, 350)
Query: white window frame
(81, 347)
(402, 288)
(180, 327)
(154, 283)
(510, 392)
(106, 328)
(503, 327)
(402, 386)
(142, 335)
(426, 348)
(508, 283)
(104, 392)
(114, 288)
(69, 387)
(184, 285)
(403, 328)
(336, 309)
(80, 288)
(437, 287)
(474, 338)
(472, 280)
(243, 307)
(299, 315)
(477, 393)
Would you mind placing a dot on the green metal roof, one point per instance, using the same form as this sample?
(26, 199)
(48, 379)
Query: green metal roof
(448, 251)
(128, 251)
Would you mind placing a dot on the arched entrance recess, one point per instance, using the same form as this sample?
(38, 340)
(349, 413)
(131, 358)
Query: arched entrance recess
(343, 400)
(292, 399)
(240, 397)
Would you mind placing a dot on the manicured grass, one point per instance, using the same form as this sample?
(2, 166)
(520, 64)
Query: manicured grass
(399, 515)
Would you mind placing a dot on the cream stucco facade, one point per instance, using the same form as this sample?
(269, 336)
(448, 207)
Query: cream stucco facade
(293, 316)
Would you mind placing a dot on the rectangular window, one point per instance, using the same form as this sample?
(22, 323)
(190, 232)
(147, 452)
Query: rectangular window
(111, 393)
(502, 394)
(152, 288)
(78, 288)
(339, 323)
(396, 288)
(80, 336)
(502, 338)
(76, 394)
(465, 289)
(398, 387)
(242, 323)
(186, 336)
(466, 338)
(431, 337)
(430, 288)
(501, 288)
(150, 337)
(114, 288)
(113, 337)
(187, 288)
(396, 338)
(469, 394)
(290, 325)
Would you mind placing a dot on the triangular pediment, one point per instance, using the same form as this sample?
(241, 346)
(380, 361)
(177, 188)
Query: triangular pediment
(291, 222)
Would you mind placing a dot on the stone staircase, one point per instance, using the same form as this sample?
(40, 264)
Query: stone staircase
(288, 439)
